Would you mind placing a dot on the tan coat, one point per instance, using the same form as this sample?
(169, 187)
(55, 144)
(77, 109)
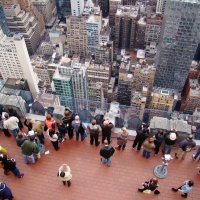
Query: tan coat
(148, 146)
(66, 169)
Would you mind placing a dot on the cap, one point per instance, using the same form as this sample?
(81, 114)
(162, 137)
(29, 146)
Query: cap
(31, 133)
(172, 136)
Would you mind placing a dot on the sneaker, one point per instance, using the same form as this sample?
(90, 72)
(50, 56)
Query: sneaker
(97, 144)
(21, 176)
(193, 157)
(174, 189)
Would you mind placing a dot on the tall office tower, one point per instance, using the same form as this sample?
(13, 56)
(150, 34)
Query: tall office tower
(99, 73)
(3, 21)
(104, 52)
(125, 82)
(105, 33)
(46, 8)
(128, 2)
(140, 33)
(77, 35)
(22, 22)
(77, 7)
(15, 61)
(104, 5)
(27, 6)
(113, 9)
(63, 7)
(125, 27)
(93, 27)
(153, 29)
(160, 7)
(179, 40)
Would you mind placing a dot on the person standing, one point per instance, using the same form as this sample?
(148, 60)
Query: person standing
(159, 137)
(67, 122)
(29, 148)
(49, 123)
(78, 127)
(64, 174)
(170, 139)
(122, 139)
(184, 146)
(5, 192)
(148, 147)
(53, 137)
(106, 127)
(3, 150)
(150, 186)
(12, 112)
(62, 130)
(10, 165)
(38, 129)
(94, 130)
(195, 156)
(11, 123)
(142, 133)
(185, 188)
(106, 152)
(21, 137)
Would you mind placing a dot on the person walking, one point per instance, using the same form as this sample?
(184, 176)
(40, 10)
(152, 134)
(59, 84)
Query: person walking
(5, 192)
(142, 133)
(10, 165)
(184, 146)
(185, 188)
(106, 127)
(11, 123)
(67, 122)
(150, 186)
(122, 139)
(53, 137)
(159, 137)
(148, 147)
(49, 123)
(195, 156)
(170, 139)
(94, 130)
(21, 137)
(29, 148)
(64, 174)
(106, 153)
(78, 127)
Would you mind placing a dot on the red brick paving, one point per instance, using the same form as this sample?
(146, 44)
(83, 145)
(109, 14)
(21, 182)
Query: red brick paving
(91, 180)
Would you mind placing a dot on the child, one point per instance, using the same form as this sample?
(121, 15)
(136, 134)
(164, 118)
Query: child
(64, 174)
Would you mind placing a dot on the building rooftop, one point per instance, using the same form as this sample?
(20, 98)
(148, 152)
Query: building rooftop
(132, 11)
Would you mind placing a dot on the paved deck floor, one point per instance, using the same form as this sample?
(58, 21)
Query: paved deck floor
(91, 180)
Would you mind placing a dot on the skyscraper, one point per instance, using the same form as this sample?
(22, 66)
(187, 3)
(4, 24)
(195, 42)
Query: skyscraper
(77, 7)
(179, 40)
(160, 7)
(104, 5)
(63, 7)
(3, 22)
(15, 61)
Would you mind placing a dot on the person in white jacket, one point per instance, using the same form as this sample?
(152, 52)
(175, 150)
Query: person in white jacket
(53, 137)
(64, 174)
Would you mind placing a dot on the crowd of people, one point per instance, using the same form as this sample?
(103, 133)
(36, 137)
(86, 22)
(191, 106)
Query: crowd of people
(57, 131)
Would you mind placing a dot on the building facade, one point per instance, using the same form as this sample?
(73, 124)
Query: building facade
(179, 40)
(160, 7)
(63, 7)
(3, 21)
(104, 5)
(77, 7)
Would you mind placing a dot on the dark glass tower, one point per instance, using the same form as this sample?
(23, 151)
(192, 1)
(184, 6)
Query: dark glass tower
(104, 5)
(3, 22)
(63, 7)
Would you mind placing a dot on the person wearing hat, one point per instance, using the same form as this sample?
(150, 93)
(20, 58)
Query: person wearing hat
(5, 192)
(64, 174)
(122, 139)
(170, 139)
(185, 188)
(78, 127)
(29, 148)
(148, 147)
(150, 186)
(3, 150)
(106, 152)
(106, 127)
(53, 137)
(184, 146)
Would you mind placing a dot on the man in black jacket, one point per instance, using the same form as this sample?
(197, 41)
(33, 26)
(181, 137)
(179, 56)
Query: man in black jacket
(142, 133)
(106, 130)
(169, 141)
(106, 152)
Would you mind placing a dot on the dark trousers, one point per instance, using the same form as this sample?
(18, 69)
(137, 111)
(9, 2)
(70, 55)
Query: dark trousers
(137, 143)
(41, 138)
(106, 136)
(122, 146)
(157, 146)
(6, 132)
(68, 183)
(70, 133)
(94, 138)
(146, 154)
(77, 136)
(55, 145)
(16, 172)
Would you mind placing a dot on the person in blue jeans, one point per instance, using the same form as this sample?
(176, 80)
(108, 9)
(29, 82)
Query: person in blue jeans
(148, 147)
(10, 165)
(195, 156)
(106, 153)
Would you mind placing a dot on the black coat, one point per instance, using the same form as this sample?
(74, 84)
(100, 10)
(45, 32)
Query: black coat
(168, 141)
(106, 130)
(67, 121)
(8, 164)
(107, 151)
(5, 192)
(142, 134)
